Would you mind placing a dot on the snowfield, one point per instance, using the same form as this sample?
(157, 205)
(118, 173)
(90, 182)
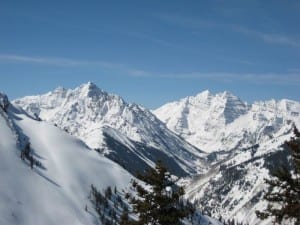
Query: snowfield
(57, 192)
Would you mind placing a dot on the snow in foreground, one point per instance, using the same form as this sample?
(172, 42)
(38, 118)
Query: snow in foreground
(58, 193)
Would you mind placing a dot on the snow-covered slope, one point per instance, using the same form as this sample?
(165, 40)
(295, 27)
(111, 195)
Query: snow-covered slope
(56, 190)
(95, 116)
(233, 187)
(244, 142)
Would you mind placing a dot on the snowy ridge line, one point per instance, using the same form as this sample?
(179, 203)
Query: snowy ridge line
(223, 121)
(87, 112)
(21, 139)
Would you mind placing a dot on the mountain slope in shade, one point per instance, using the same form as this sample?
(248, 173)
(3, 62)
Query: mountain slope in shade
(56, 191)
(95, 116)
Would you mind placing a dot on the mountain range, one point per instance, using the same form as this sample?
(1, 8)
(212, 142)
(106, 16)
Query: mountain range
(244, 142)
(121, 131)
(223, 121)
(219, 146)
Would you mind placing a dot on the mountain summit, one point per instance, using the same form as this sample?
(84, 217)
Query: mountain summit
(120, 130)
(222, 121)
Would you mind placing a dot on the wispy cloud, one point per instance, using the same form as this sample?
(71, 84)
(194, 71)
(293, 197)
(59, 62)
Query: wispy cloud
(269, 37)
(112, 30)
(195, 24)
(69, 62)
(55, 61)
(141, 73)
(291, 77)
(227, 77)
(156, 40)
(184, 22)
(294, 70)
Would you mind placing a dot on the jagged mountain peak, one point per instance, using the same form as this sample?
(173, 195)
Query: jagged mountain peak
(218, 121)
(206, 98)
(90, 85)
(90, 89)
(2, 95)
(221, 99)
(4, 102)
(226, 94)
(207, 94)
(59, 89)
(234, 107)
(220, 108)
(227, 98)
(204, 94)
(87, 111)
(85, 91)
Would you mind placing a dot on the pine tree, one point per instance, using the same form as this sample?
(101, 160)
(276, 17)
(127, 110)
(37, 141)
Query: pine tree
(108, 192)
(284, 192)
(124, 219)
(162, 204)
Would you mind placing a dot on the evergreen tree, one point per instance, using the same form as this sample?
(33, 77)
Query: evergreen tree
(108, 192)
(162, 203)
(284, 192)
(124, 219)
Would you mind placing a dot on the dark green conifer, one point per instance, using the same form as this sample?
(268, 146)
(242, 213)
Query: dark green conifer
(284, 192)
(160, 203)
(124, 219)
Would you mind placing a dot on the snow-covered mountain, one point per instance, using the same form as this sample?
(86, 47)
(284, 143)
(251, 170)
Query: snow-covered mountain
(244, 142)
(223, 121)
(46, 174)
(55, 191)
(123, 132)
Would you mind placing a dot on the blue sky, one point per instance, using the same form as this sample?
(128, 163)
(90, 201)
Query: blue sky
(152, 52)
